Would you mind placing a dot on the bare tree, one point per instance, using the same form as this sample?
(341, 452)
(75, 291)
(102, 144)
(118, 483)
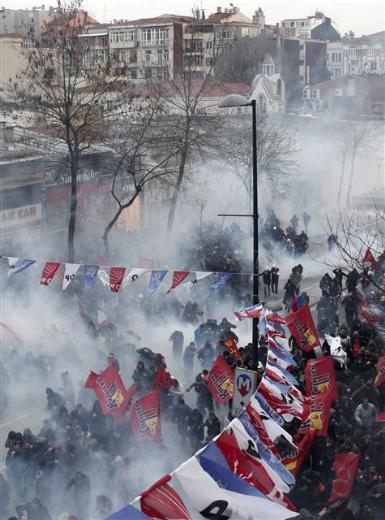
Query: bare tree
(276, 148)
(144, 156)
(63, 86)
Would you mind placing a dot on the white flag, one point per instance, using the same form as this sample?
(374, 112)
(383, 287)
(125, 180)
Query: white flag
(197, 277)
(211, 500)
(104, 276)
(133, 275)
(69, 274)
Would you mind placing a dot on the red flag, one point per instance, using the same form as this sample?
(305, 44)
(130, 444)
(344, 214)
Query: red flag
(320, 377)
(177, 279)
(162, 379)
(369, 259)
(221, 381)
(319, 417)
(345, 468)
(381, 417)
(126, 406)
(282, 401)
(116, 278)
(145, 417)
(249, 468)
(294, 463)
(232, 347)
(162, 502)
(301, 326)
(109, 389)
(379, 380)
(49, 272)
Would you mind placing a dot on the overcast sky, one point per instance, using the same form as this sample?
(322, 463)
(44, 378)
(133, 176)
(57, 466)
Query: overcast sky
(362, 16)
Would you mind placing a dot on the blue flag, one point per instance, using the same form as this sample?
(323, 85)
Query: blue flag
(289, 377)
(220, 282)
(90, 272)
(155, 280)
(265, 454)
(128, 513)
(20, 265)
(214, 463)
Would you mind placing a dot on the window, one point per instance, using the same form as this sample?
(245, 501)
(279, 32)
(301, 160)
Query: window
(302, 24)
(148, 56)
(209, 45)
(122, 56)
(314, 94)
(209, 62)
(147, 73)
(130, 35)
(155, 36)
(371, 50)
(162, 57)
(134, 74)
(268, 69)
(373, 66)
(353, 51)
(195, 47)
(133, 56)
(292, 24)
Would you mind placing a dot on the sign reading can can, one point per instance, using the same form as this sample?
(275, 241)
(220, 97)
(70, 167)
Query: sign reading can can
(244, 387)
(20, 216)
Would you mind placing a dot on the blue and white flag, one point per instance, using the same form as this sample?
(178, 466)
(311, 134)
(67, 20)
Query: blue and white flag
(275, 367)
(16, 265)
(211, 500)
(90, 272)
(155, 280)
(268, 409)
(273, 429)
(262, 451)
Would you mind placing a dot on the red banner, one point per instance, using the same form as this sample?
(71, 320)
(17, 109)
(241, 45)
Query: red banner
(319, 416)
(320, 377)
(162, 379)
(379, 380)
(221, 381)
(109, 389)
(49, 272)
(301, 326)
(145, 417)
(162, 501)
(294, 463)
(232, 347)
(257, 422)
(116, 278)
(345, 468)
(177, 279)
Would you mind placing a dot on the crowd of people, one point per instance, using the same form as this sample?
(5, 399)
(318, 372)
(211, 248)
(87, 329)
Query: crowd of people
(288, 239)
(81, 465)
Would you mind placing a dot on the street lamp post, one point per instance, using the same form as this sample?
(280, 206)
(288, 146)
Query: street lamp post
(235, 100)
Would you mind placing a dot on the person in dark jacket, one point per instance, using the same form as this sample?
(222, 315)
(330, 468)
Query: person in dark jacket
(213, 426)
(34, 510)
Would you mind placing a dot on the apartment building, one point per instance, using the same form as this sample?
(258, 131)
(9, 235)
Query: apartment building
(301, 27)
(148, 49)
(206, 37)
(28, 23)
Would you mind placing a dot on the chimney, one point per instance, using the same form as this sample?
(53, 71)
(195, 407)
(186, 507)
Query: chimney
(219, 10)
(203, 14)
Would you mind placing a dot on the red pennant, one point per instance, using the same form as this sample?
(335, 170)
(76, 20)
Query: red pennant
(301, 326)
(109, 389)
(320, 377)
(161, 501)
(177, 279)
(369, 259)
(49, 272)
(345, 468)
(145, 417)
(116, 278)
(257, 422)
(221, 381)
(162, 379)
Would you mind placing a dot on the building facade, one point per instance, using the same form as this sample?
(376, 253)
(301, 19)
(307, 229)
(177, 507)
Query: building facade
(29, 23)
(301, 27)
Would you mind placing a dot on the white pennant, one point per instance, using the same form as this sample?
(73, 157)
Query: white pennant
(12, 264)
(197, 277)
(133, 275)
(70, 271)
(104, 276)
